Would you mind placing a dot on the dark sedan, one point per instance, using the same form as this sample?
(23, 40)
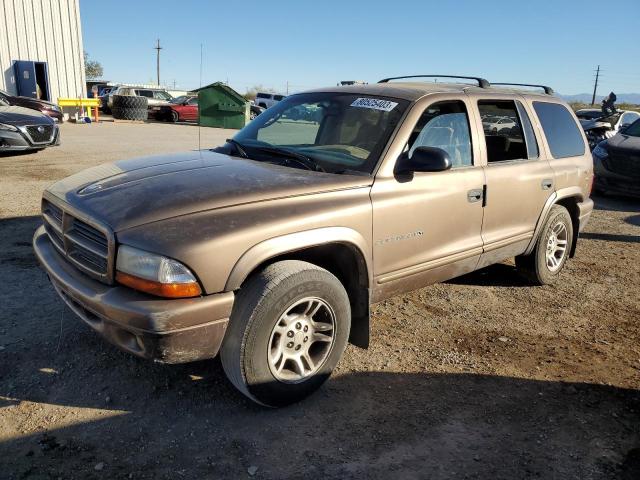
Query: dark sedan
(48, 108)
(25, 129)
(616, 163)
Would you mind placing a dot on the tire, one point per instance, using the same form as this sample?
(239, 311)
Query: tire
(175, 116)
(538, 267)
(129, 107)
(252, 115)
(247, 352)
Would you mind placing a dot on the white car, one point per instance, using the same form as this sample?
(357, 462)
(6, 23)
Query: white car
(156, 96)
(495, 124)
(266, 100)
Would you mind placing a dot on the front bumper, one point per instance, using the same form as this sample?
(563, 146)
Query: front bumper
(18, 141)
(170, 331)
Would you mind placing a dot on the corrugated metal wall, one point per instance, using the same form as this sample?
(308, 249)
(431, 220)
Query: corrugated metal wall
(44, 31)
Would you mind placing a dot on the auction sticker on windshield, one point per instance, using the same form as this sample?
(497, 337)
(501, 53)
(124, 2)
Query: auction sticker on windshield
(374, 103)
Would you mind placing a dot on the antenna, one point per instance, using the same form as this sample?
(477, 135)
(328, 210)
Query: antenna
(199, 123)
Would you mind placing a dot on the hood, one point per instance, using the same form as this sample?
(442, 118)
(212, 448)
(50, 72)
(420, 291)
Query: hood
(33, 101)
(591, 124)
(130, 193)
(624, 144)
(20, 116)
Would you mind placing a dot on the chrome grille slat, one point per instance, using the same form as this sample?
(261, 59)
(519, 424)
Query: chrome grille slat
(79, 239)
(40, 137)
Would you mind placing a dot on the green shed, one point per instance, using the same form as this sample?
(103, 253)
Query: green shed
(221, 106)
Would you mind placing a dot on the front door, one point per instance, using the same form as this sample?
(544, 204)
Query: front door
(426, 227)
(519, 181)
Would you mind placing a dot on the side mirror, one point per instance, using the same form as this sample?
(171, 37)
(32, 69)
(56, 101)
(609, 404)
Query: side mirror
(623, 127)
(424, 159)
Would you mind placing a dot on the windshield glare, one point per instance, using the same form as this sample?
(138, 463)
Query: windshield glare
(337, 131)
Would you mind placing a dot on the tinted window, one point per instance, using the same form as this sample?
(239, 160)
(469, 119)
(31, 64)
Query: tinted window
(563, 136)
(263, 95)
(193, 101)
(444, 125)
(278, 97)
(629, 117)
(504, 137)
(145, 93)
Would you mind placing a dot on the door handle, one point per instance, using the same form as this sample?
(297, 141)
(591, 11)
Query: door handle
(474, 195)
(547, 184)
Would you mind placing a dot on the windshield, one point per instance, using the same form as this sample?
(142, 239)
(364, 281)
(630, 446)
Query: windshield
(336, 131)
(180, 99)
(633, 130)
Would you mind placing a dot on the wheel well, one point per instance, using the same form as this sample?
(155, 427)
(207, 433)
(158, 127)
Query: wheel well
(571, 204)
(347, 263)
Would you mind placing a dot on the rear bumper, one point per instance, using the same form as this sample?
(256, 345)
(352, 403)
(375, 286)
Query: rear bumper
(584, 213)
(170, 331)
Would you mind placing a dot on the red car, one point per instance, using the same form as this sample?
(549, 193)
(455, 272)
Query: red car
(180, 109)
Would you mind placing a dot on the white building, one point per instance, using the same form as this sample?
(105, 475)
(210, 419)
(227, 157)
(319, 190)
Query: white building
(41, 52)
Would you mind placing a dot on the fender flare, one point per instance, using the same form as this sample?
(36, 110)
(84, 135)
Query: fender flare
(551, 201)
(293, 242)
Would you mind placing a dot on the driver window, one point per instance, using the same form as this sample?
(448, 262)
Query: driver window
(445, 125)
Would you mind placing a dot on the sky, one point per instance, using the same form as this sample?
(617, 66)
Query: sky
(298, 45)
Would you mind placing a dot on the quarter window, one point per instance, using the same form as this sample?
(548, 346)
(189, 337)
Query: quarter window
(444, 125)
(563, 136)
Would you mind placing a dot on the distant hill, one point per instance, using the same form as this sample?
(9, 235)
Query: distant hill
(586, 98)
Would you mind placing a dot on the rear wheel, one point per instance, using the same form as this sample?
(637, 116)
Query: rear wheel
(544, 264)
(287, 332)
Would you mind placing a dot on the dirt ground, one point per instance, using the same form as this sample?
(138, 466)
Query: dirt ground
(483, 377)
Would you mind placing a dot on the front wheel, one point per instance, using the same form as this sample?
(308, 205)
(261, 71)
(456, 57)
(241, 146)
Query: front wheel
(175, 116)
(544, 264)
(288, 329)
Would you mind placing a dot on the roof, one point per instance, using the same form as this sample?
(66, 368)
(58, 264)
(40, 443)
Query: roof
(222, 86)
(414, 90)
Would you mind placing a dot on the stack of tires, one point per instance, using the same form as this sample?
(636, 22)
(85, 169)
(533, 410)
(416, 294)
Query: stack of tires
(130, 107)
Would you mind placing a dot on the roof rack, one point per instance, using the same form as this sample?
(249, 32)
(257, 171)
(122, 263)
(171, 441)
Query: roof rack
(547, 90)
(481, 81)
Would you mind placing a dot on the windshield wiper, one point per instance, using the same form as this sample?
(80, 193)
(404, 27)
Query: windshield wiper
(239, 147)
(297, 157)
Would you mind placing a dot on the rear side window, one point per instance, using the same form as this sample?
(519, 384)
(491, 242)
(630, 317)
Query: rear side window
(278, 97)
(529, 136)
(503, 131)
(263, 95)
(563, 136)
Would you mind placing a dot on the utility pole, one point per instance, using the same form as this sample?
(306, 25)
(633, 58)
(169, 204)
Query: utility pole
(157, 48)
(287, 87)
(595, 86)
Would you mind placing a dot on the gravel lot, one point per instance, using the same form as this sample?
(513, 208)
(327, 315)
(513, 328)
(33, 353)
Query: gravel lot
(481, 377)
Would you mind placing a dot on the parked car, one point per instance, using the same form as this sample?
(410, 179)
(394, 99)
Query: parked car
(48, 108)
(179, 109)
(185, 109)
(24, 129)
(598, 126)
(496, 124)
(155, 96)
(266, 100)
(270, 248)
(616, 162)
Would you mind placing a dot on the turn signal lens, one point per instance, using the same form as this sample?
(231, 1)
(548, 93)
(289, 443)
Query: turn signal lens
(167, 290)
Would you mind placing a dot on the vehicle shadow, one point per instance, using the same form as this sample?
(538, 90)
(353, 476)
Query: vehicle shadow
(101, 413)
(497, 275)
(611, 237)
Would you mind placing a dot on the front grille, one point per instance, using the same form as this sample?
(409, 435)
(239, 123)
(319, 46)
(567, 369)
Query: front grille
(85, 245)
(40, 133)
(623, 164)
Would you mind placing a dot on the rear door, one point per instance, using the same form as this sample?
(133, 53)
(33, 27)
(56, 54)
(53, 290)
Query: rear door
(191, 109)
(519, 180)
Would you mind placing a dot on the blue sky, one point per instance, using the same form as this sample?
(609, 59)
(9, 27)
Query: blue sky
(317, 43)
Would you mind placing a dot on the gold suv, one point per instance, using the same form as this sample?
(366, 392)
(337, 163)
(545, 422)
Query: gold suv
(271, 248)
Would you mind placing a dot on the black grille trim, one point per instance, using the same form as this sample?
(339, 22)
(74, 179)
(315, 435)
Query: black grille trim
(45, 136)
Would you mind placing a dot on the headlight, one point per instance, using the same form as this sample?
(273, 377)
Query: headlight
(155, 274)
(600, 151)
(4, 126)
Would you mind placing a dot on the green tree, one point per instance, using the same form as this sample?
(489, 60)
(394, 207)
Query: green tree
(92, 68)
